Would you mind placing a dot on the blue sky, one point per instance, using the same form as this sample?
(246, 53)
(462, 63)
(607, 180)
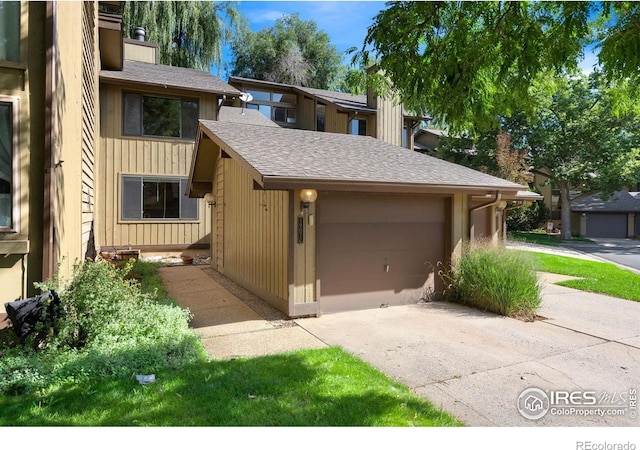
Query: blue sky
(345, 22)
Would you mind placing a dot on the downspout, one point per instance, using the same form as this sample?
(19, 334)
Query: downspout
(493, 202)
(48, 249)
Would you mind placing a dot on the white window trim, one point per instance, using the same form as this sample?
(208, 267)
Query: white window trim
(15, 162)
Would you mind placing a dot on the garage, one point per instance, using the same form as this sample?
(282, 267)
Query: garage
(378, 250)
(602, 225)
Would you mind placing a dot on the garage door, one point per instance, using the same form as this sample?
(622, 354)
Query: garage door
(607, 225)
(375, 251)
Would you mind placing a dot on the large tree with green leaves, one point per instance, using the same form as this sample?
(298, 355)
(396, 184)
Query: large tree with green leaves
(188, 33)
(293, 51)
(468, 63)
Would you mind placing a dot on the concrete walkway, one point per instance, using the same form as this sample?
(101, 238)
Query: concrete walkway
(228, 326)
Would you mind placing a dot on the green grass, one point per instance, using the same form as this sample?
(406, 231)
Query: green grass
(146, 273)
(326, 387)
(599, 277)
(540, 237)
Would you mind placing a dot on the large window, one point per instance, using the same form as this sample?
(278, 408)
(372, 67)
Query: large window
(156, 198)
(8, 169)
(9, 31)
(146, 115)
(277, 106)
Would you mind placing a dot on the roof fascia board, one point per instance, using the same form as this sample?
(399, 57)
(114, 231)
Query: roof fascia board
(133, 84)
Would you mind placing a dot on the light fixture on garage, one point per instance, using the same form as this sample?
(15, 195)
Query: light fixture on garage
(208, 197)
(308, 196)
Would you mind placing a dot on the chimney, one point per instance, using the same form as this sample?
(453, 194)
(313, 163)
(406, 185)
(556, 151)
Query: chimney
(139, 33)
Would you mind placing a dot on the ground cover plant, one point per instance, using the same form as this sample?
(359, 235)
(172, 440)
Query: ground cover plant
(494, 279)
(325, 387)
(108, 328)
(595, 276)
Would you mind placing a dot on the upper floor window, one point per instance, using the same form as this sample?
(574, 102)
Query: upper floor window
(358, 126)
(277, 106)
(8, 160)
(10, 31)
(147, 115)
(320, 116)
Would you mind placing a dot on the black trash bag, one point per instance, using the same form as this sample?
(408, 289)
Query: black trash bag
(25, 315)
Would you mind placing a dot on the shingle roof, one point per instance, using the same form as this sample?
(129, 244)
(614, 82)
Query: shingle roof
(621, 201)
(343, 99)
(158, 75)
(291, 154)
(244, 115)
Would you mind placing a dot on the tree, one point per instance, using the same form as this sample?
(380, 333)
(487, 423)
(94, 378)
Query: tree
(469, 63)
(188, 33)
(578, 140)
(292, 52)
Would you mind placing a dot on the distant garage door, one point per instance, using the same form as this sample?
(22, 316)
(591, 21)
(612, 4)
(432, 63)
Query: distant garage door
(376, 250)
(607, 225)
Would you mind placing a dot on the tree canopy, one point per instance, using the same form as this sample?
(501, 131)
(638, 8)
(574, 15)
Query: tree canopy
(188, 33)
(468, 63)
(293, 51)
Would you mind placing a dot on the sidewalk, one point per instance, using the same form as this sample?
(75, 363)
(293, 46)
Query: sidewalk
(228, 326)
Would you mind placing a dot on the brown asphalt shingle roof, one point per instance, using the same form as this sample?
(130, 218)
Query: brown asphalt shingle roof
(244, 115)
(158, 75)
(309, 155)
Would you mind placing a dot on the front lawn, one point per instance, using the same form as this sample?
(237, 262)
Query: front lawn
(603, 278)
(540, 237)
(326, 387)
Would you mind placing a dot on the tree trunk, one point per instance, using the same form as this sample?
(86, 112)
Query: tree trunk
(565, 212)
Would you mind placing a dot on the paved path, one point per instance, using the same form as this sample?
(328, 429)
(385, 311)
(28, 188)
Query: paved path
(229, 327)
(623, 252)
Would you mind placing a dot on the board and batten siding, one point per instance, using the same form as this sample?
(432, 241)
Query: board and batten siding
(255, 234)
(389, 124)
(145, 156)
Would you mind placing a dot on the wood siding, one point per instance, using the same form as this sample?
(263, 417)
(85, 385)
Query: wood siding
(89, 124)
(147, 156)
(389, 124)
(255, 234)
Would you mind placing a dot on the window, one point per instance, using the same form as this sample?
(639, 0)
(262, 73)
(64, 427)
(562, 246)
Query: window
(8, 164)
(156, 198)
(320, 115)
(277, 106)
(146, 115)
(10, 31)
(358, 126)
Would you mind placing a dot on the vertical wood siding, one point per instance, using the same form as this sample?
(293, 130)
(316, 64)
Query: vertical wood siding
(389, 122)
(255, 232)
(88, 126)
(143, 156)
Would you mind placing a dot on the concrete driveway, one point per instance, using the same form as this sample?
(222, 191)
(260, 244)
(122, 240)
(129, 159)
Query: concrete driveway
(624, 252)
(475, 365)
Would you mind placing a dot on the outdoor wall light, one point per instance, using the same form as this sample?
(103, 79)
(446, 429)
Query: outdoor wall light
(308, 196)
(502, 205)
(208, 197)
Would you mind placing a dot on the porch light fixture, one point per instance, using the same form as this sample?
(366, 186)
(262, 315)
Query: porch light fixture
(307, 197)
(208, 197)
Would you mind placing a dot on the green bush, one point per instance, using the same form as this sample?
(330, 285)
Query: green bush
(108, 328)
(528, 217)
(494, 279)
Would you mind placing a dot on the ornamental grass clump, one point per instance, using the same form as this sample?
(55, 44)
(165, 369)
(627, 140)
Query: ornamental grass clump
(108, 328)
(495, 279)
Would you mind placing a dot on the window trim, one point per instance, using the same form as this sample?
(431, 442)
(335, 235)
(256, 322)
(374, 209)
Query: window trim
(15, 163)
(154, 177)
(180, 98)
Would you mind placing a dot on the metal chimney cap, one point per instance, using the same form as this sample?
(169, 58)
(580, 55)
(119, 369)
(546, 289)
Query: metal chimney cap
(139, 33)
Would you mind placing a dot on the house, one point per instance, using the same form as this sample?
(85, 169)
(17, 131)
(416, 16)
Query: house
(615, 217)
(149, 115)
(318, 222)
(49, 62)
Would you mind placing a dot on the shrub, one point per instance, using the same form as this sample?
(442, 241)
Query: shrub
(528, 217)
(109, 328)
(494, 279)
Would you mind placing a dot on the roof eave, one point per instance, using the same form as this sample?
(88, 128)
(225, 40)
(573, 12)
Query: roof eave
(105, 78)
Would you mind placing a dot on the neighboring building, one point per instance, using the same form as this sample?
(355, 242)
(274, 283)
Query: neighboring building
(149, 116)
(337, 112)
(384, 220)
(49, 62)
(615, 217)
